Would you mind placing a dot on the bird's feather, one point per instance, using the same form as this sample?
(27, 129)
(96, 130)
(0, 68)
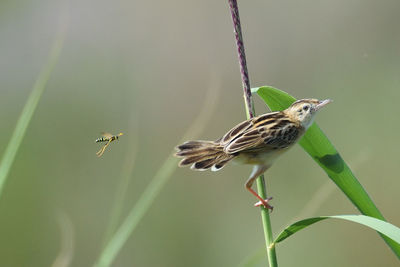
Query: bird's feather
(266, 132)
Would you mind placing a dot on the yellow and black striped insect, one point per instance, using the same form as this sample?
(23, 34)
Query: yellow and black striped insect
(107, 137)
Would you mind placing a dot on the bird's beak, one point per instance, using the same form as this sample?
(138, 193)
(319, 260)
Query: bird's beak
(322, 103)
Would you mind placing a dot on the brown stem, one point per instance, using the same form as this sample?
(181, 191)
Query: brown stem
(242, 57)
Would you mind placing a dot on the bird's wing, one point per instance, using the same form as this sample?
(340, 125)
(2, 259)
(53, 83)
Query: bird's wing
(235, 132)
(266, 132)
(284, 137)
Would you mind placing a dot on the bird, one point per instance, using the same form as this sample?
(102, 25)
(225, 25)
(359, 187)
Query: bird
(258, 141)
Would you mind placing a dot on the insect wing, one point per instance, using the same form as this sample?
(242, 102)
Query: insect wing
(106, 135)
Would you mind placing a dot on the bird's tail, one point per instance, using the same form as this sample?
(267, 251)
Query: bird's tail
(202, 155)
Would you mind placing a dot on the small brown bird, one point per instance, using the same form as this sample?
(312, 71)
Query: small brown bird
(107, 137)
(257, 141)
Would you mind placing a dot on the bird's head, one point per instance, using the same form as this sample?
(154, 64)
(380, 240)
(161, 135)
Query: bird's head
(304, 110)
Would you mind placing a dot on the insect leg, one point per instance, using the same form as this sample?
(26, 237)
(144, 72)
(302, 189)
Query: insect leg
(101, 151)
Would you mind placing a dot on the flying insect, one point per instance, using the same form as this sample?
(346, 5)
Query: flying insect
(108, 138)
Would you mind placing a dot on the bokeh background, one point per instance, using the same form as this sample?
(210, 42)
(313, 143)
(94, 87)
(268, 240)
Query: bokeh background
(144, 68)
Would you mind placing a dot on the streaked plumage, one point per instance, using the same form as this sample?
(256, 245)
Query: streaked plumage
(257, 141)
(107, 137)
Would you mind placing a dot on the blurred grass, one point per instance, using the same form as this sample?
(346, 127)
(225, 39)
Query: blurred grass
(149, 195)
(123, 184)
(30, 106)
(67, 237)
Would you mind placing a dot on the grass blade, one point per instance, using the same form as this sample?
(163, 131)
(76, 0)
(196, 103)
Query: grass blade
(385, 228)
(318, 146)
(137, 212)
(122, 187)
(29, 108)
(67, 238)
(149, 195)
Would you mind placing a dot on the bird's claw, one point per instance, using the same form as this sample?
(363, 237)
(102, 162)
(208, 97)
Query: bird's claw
(265, 204)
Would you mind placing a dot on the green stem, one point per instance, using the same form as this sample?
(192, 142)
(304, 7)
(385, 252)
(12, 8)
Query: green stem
(267, 224)
(250, 112)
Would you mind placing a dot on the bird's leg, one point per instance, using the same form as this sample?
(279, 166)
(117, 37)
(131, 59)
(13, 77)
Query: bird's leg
(257, 171)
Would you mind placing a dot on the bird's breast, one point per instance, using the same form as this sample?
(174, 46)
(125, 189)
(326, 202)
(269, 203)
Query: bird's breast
(259, 158)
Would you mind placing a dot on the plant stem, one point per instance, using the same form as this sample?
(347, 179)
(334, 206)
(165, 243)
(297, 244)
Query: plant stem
(242, 58)
(251, 113)
(271, 254)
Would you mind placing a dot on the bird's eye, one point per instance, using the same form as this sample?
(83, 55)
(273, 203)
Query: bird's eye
(305, 108)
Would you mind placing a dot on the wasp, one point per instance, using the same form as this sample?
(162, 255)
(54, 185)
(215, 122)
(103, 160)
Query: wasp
(108, 138)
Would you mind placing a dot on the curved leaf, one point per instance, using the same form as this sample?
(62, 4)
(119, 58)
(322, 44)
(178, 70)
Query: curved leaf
(318, 146)
(385, 228)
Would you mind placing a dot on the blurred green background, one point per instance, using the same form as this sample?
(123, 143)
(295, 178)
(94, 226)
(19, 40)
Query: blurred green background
(144, 68)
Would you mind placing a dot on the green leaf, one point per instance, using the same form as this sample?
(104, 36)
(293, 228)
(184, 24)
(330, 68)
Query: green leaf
(385, 228)
(318, 146)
